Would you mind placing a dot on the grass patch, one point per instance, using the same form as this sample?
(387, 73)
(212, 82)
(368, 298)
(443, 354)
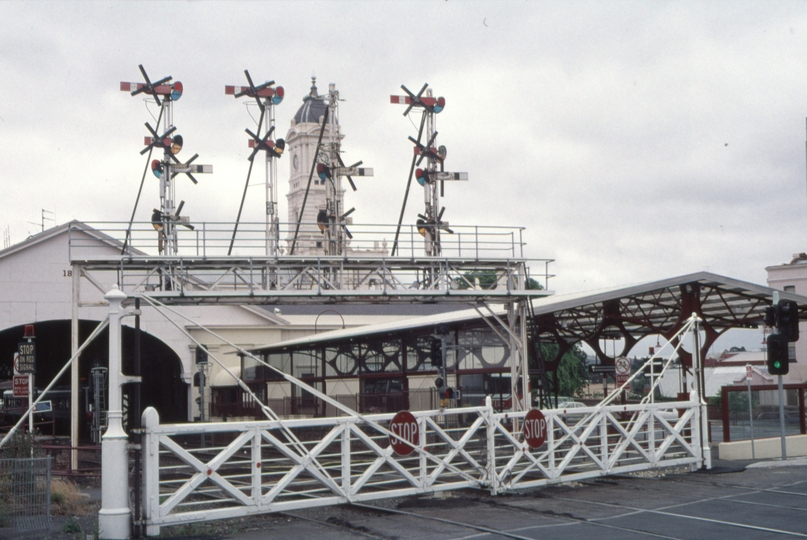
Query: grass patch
(66, 499)
(71, 526)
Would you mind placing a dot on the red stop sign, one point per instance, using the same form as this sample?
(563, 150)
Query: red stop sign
(407, 435)
(534, 429)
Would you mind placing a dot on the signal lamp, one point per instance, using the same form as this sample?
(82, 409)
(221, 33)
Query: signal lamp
(157, 220)
(176, 91)
(278, 97)
(422, 227)
(777, 361)
(322, 220)
(176, 144)
(787, 319)
(157, 168)
(448, 393)
(436, 352)
(440, 105)
(770, 317)
(438, 382)
(323, 171)
(420, 175)
(280, 145)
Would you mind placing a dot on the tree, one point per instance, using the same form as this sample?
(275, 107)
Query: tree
(572, 376)
(487, 280)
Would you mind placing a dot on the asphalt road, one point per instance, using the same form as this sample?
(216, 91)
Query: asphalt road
(766, 499)
(762, 500)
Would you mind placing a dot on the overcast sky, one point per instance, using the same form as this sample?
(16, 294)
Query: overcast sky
(635, 141)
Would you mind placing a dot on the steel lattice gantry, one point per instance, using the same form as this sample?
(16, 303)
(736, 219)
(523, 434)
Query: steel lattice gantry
(211, 278)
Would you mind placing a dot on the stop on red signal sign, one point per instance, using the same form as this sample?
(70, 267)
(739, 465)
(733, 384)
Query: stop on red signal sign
(406, 437)
(534, 429)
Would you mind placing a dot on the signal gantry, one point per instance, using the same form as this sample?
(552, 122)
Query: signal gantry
(430, 223)
(266, 96)
(165, 219)
(330, 168)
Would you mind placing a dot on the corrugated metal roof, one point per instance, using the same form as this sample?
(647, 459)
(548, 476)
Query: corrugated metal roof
(380, 310)
(725, 302)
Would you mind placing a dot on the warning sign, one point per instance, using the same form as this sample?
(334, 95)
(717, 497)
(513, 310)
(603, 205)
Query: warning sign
(622, 369)
(406, 433)
(26, 362)
(534, 428)
(20, 388)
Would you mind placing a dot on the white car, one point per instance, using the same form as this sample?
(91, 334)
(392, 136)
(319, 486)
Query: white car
(570, 413)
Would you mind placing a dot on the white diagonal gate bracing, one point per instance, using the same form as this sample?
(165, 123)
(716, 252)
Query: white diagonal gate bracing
(253, 467)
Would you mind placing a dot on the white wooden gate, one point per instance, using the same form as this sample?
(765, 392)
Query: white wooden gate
(201, 472)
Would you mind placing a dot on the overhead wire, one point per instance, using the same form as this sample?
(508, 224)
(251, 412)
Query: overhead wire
(570, 431)
(140, 189)
(270, 414)
(293, 380)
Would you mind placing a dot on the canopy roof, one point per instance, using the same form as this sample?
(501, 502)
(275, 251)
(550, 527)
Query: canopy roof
(628, 312)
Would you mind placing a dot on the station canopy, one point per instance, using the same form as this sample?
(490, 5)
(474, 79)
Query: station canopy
(627, 313)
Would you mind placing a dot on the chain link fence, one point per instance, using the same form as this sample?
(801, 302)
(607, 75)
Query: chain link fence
(25, 493)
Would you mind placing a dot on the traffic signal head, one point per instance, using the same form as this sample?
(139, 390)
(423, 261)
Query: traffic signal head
(201, 355)
(777, 355)
(436, 352)
(787, 319)
(770, 317)
(448, 393)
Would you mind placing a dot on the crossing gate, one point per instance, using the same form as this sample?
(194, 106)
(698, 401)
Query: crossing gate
(202, 472)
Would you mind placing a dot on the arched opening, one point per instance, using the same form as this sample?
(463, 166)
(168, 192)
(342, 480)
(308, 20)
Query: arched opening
(161, 368)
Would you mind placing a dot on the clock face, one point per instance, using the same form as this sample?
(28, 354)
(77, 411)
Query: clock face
(295, 162)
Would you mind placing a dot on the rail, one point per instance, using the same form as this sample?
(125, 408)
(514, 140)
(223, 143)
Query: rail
(212, 240)
(205, 272)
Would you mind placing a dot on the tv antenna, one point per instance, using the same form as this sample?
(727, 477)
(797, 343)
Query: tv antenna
(330, 169)
(43, 218)
(430, 223)
(266, 95)
(165, 219)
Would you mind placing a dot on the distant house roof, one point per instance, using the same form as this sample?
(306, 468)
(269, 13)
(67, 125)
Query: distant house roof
(740, 358)
(64, 228)
(716, 378)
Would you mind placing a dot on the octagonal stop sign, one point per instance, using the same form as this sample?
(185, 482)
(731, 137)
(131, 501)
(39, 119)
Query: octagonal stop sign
(534, 429)
(406, 437)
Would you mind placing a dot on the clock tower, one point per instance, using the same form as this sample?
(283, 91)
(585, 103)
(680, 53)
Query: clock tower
(301, 145)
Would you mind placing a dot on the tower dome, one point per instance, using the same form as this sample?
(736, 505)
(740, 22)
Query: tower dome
(313, 108)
